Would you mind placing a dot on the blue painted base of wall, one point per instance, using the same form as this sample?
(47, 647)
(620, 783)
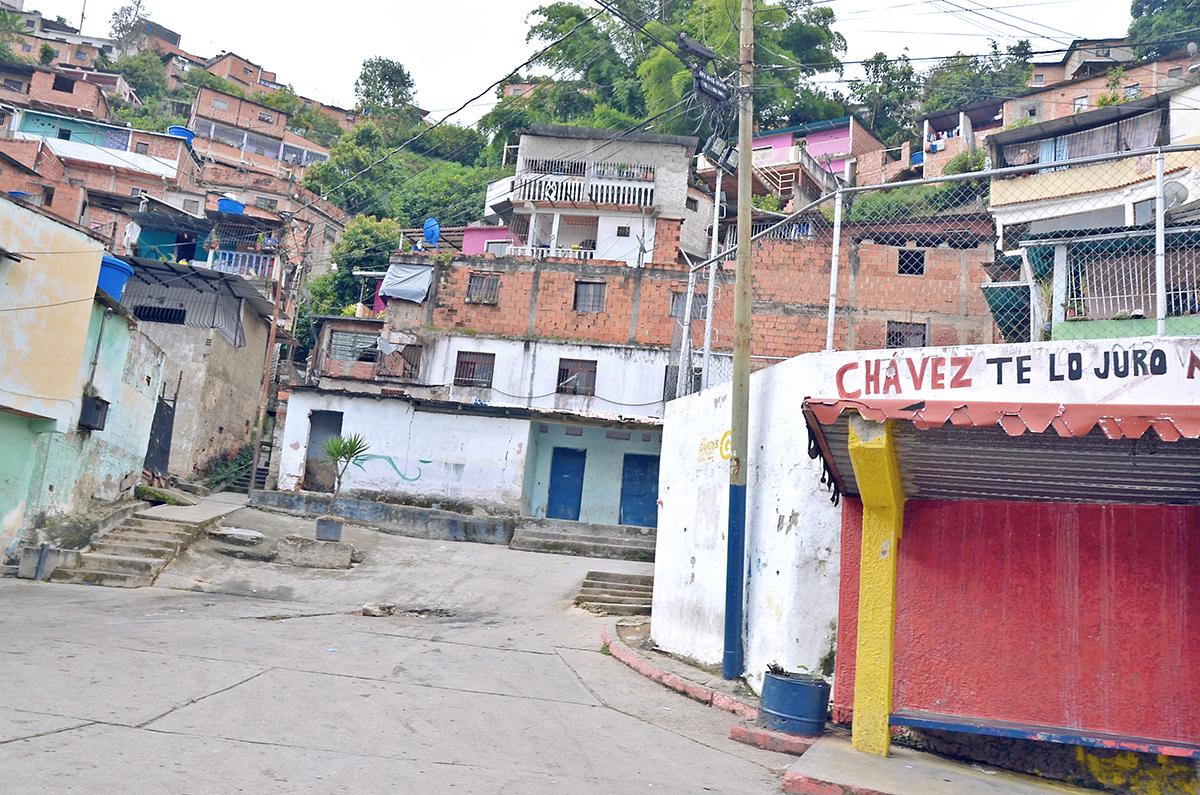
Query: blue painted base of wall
(401, 520)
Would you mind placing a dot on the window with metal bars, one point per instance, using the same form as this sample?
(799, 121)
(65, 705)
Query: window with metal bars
(910, 262)
(589, 296)
(906, 335)
(351, 346)
(483, 288)
(576, 377)
(474, 369)
(679, 305)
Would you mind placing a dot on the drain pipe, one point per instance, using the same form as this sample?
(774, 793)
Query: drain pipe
(91, 384)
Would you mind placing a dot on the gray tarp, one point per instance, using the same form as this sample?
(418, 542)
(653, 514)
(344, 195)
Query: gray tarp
(407, 282)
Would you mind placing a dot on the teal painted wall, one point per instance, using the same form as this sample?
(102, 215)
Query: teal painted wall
(601, 501)
(156, 244)
(49, 126)
(18, 441)
(70, 469)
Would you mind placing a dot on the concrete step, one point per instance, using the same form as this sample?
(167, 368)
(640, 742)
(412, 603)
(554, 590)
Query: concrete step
(86, 576)
(609, 598)
(586, 538)
(646, 580)
(155, 523)
(618, 587)
(172, 534)
(136, 539)
(131, 549)
(122, 564)
(569, 546)
(616, 609)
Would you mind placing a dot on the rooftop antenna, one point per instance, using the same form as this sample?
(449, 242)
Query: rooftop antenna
(81, 13)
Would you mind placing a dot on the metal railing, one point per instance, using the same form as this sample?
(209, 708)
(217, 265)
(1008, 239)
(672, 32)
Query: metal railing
(243, 263)
(542, 252)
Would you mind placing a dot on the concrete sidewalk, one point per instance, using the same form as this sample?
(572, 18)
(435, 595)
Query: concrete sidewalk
(209, 509)
(830, 765)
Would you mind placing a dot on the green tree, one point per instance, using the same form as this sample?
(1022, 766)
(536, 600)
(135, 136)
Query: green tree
(335, 178)
(200, 78)
(11, 28)
(964, 79)
(889, 98)
(366, 245)
(144, 73)
(46, 55)
(1161, 27)
(383, 85)
(452, 193)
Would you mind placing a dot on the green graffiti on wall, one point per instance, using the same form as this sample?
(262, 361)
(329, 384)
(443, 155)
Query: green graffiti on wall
(392, 462)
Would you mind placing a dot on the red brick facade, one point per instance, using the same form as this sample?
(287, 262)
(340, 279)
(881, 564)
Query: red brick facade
(233, 111)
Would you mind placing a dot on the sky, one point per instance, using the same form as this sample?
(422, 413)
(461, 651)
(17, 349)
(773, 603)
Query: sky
(456, 48)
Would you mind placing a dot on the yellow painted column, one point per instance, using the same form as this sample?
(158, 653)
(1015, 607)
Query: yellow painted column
(873, 453)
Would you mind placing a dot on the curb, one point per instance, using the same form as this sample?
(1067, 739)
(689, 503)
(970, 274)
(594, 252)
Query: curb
(705, 695)
(807, 785)
(768, 740)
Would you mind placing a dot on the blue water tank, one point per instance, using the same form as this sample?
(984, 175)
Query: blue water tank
(231, 206)
(113, 275)
(181, 132)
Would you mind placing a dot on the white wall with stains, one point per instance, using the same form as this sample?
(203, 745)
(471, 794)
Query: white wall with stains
(458, 458)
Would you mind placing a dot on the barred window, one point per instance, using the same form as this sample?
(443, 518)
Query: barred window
(483, 288)
(679, 305)
(576, 377)
(910, 262)
(906, 335)
(351, 346)
(589, 296)
(220, 104)
(474, 369)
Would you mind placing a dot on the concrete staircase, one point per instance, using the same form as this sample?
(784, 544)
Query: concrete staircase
(131, 555)
(616, 594)
(620, 542)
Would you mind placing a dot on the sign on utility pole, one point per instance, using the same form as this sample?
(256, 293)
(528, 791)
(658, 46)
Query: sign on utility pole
(732, 664)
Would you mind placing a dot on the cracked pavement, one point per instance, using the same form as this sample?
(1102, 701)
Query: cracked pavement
(242, 676)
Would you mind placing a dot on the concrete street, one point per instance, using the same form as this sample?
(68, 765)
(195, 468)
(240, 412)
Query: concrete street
(246, 676)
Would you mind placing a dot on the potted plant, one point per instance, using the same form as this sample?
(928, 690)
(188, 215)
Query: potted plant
(341, 451)
(796, 703)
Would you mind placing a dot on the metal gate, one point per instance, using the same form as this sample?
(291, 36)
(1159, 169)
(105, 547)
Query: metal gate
(158, 453)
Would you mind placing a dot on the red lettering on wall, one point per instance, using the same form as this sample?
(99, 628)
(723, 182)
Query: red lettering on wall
(891, 378)
(918, 376)
(871, 378)
(960, 379)
(936, 377)
(1193, 364)
(841, 386)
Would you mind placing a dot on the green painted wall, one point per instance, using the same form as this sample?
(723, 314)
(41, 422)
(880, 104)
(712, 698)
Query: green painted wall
(18, 441)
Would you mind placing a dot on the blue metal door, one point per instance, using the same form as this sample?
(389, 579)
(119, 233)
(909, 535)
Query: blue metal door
(639, 490)
(566, 483)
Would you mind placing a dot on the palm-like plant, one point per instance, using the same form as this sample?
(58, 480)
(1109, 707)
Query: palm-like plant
(342, 451)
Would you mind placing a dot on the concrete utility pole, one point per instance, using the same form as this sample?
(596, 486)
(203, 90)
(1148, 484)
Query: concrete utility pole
(735, 565)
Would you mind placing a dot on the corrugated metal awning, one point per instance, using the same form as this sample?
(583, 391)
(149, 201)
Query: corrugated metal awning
(1001, 451)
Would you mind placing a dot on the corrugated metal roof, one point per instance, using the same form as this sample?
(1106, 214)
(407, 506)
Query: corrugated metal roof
(1112, 460)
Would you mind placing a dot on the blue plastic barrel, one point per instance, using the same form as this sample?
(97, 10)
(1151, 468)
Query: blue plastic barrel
(795, 704)
(113, 275)
(181, 132)
(231, 206)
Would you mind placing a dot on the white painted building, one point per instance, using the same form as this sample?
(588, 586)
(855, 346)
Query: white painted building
(590, 194)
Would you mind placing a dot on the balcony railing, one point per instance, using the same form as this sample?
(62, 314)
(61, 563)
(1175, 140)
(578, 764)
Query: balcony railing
(582, 190)
(243, 263)
(542, 252)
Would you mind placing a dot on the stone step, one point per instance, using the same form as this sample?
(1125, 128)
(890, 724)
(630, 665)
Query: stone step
(646, 580)
(158, 523)
(618, 587)
(592, 598)
(141, 538)
(615, 609)
(588, 590)
(616, 541)
(173, 533)
(86, 576)
(617, 532)
(121, 564)
(568, 546)
(131, 550)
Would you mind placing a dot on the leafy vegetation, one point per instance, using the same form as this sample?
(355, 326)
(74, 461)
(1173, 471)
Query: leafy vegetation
(1161, 27)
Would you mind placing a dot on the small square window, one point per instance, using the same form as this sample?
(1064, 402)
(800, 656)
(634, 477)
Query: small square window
(1134, 91)
(622, 231)
(1103, 52)
(135, 192)
(80, 55)
(1039, 78)
(191, 206)
(63, 84)
(679, 305)
(246, 70)
(26, 48)
(13, 85)
(141, 148)
(483, 288)
(474, 369)
(64, 135)
(589, 296)
(1175, 73)
(47, 196)
(266, 117)
(266, 203)
(576, 377)
(330, 233)
(1079, 104)
(910, 262)
(220, 104)
(691, 204)
(1031, 113)
(29, 23)
(906, 335)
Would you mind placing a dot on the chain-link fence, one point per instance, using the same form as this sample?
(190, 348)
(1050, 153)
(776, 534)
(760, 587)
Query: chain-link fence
(1036, 246)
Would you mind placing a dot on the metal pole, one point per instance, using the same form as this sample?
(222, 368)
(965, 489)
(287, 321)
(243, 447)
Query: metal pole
(712, 278)
(733, 663)
(1160, 252)
(685, 346)
(833, 269)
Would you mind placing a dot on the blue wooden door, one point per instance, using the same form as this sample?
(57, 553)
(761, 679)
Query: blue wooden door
(639, 490)
(566, 483)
